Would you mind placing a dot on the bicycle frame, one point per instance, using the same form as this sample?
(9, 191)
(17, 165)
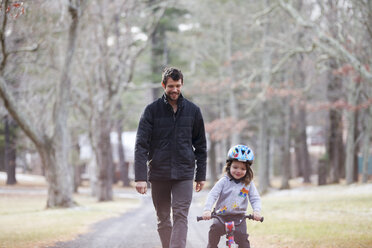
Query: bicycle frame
(229, 227)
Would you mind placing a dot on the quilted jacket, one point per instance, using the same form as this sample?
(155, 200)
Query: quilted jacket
(170, 146)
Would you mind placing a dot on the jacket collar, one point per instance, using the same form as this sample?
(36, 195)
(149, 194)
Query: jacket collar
(235, 180)
(179, 101)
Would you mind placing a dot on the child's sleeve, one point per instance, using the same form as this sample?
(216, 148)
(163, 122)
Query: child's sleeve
(254, 198)
(214, 194)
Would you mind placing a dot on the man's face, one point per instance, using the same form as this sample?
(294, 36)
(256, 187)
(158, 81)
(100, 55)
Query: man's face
(173, 89)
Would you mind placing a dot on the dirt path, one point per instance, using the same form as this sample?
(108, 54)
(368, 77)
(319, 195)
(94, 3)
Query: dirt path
(137, 229)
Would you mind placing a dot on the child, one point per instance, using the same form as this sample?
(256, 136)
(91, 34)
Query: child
(232, 193)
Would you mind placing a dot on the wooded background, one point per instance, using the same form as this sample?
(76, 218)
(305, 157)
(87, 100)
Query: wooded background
(265, 73)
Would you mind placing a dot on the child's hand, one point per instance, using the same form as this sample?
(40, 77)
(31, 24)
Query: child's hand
(257, 216)
(207, 215)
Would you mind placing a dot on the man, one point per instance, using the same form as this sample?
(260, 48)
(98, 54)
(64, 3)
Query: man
(170, 138)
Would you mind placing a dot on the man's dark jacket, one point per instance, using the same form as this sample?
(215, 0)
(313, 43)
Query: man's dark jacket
(168, 143)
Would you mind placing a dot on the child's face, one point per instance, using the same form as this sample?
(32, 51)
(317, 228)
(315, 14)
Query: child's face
(238, 169)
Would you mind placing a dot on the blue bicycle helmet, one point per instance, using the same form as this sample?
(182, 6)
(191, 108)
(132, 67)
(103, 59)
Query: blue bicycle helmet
(241, 153)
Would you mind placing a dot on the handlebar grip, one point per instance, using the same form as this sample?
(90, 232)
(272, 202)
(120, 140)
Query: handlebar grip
(199, 218)
(251, 218)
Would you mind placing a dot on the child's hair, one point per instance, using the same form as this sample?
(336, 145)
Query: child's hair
(248, 175)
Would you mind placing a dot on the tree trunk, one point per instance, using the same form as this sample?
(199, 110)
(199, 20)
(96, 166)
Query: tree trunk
(356, 150)
(335, 143)
(76, 165)
(104, 160)
(298, 157)
(92, 168)
(123, 165)
(212, 162)
(366, 138)
(77, 177)
(233, 106)
(263, 118)
(305, 161)
(368, 114)
(159, 55)
(322, 171)
(350, 142)
(350, 146)
(155, 64)
(58, 175)
(262, 157)
(10, 151)
(56, 154)
(301, 136)
(286, 157)
(271, 156)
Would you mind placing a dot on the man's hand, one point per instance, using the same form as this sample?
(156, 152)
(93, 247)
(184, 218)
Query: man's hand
(199, 186)
(141, 187)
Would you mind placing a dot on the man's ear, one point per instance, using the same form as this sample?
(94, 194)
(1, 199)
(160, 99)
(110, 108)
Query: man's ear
(163, 85)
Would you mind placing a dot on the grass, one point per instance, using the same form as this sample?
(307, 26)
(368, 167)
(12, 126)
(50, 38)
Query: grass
(306, 217)
(328, 216)
(24, 221)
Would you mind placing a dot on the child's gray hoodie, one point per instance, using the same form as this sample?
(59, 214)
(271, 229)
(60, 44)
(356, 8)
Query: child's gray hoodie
(232, 197)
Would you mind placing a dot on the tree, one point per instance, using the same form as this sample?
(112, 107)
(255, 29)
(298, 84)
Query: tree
(365, 8)
(159, 49)
(266, 78)
(119, 35)
(299, 76)
(53, 149)
(339, 47)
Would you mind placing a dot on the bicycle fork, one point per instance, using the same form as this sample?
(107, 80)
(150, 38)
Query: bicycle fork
(230, 228)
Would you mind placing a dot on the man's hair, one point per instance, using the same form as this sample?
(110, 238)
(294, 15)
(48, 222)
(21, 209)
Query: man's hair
(171, 72)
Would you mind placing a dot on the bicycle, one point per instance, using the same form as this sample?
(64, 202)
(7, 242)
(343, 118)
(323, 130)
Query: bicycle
(229, 226)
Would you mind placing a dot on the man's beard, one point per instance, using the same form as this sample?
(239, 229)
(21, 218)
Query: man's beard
(169, 98)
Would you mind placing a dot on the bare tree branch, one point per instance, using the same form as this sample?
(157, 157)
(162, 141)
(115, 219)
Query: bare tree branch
(265, 11)
(4, 6)
(32, 48)
(9, 101)
(17, 114)
(328, 40)
(60, 107)
(289, 55)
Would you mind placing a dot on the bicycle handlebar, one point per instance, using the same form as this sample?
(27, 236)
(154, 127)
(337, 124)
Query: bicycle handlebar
(216, 216)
